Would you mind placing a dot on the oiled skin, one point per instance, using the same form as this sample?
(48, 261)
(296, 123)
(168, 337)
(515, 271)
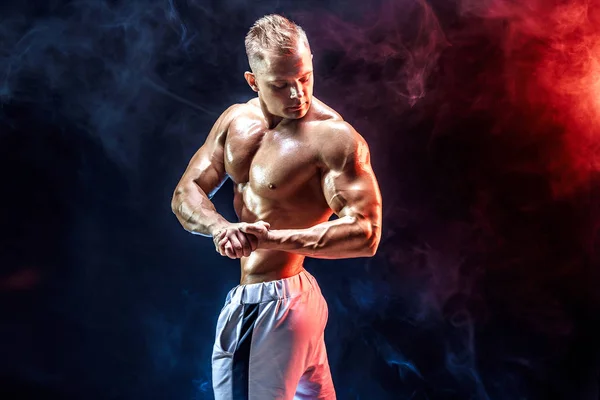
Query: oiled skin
(278, 179)
(294, 176)
(294, 162)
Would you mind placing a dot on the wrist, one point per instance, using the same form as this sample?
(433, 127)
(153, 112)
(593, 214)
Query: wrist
(216, 227)
(271, 240)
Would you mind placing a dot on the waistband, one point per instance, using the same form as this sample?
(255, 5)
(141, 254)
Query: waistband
(273, 290)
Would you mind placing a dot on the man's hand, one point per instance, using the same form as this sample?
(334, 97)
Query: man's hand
(258, 230)
(232, 241)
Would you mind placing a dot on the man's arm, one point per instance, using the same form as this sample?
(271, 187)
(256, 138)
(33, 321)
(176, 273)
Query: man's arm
(352, 192)
(204, 175)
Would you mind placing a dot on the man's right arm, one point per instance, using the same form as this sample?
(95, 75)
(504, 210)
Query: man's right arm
(203, 176)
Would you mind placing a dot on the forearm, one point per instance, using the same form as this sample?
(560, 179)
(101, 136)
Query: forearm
(345, 237)
(194, 210)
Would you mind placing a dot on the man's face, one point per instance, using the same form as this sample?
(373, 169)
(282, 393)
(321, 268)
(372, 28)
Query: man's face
(285, 83)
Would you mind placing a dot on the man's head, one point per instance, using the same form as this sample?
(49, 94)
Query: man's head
(281, 64)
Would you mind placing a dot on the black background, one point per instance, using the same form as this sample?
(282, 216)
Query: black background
(484, 286)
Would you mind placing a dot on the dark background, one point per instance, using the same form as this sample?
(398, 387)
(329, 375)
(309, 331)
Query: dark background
(483, 122)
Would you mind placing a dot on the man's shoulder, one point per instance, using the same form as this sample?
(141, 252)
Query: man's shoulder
(339, 142)
(241, 110)
(240, 113)
(323, 114)
(330, 125)
(337, 135)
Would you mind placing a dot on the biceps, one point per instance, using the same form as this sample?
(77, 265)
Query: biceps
(354, 195)
(210, 180)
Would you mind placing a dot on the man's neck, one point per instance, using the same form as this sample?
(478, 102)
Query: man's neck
(273, 121)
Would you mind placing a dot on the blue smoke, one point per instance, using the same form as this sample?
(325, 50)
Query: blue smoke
(102, 104)
(111, 64)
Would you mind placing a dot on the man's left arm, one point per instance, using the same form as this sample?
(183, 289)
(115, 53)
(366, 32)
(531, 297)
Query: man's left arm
(352, 192)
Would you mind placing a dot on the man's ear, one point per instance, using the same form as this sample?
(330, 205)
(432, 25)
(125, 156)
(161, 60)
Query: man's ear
(251, 79)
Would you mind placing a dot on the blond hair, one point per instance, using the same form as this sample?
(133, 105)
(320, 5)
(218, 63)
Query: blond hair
(272, 33)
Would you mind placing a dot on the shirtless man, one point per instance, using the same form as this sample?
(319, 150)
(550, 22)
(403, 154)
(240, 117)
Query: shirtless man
(294, 162)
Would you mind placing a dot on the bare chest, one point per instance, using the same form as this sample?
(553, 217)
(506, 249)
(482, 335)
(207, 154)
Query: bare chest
(275, 163)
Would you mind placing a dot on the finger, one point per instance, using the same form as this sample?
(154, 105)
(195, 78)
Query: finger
(221, 248)
(229, 251)
(228, 238)
(246, 248)
(253, 242)
(238, 249)
(258, 228)
(225, 247)
(266, 224)
(222, 242)
(219, 235)
(248, 228)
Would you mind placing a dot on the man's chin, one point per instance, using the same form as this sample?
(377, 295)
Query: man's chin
(297, 113)
(296, 116)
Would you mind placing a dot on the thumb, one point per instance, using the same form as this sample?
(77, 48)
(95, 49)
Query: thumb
(264, 223)
(247, 228)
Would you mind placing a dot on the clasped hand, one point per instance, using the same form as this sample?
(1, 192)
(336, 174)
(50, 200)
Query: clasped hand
(240, 239)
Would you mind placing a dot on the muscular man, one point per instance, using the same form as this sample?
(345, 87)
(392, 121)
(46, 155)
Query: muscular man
(294, 162)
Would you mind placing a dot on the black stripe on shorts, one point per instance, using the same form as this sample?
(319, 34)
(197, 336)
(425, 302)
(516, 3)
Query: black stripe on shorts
(241, 355)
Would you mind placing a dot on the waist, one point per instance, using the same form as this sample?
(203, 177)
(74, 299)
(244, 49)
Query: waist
(261, 292)
(269, 265)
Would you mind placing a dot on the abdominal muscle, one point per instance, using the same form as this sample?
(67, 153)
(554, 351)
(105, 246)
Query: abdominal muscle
(268, 265)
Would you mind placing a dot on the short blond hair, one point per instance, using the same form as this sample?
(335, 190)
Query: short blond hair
(272, 33)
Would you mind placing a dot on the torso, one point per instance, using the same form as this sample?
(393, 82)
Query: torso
(277, 179)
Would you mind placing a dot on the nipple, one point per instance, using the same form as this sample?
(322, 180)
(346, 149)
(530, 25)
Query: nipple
(271, 186)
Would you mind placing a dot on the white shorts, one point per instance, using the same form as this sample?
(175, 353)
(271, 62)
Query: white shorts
(270, 342)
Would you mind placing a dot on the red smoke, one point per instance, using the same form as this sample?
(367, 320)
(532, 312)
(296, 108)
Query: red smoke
(387, 64)
(551, 71)
(552, 56)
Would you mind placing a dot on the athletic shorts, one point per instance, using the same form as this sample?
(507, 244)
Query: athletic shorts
(270, 342)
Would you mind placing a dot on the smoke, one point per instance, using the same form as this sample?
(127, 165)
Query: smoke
(482, 119)
(552, 66)
(549, 68)
(383, 60)
(104, 66)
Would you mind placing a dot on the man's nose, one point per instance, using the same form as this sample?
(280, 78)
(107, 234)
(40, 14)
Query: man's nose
(296, 92)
